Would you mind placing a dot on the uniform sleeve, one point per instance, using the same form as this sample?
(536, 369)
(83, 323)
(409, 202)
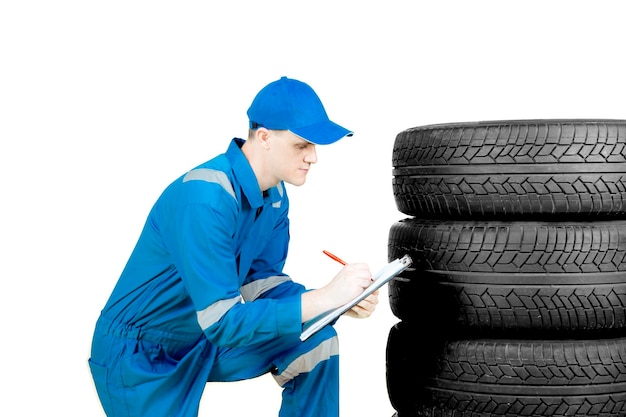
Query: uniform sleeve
(199, 235)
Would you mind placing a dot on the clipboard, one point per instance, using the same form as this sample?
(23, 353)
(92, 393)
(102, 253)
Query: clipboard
(383, 276)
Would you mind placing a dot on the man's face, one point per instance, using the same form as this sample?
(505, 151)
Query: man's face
(291, 157)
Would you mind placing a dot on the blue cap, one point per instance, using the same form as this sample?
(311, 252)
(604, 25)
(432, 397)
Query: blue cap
(288, 104)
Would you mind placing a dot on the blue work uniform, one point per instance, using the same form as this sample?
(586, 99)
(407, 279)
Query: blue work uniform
(203, 297)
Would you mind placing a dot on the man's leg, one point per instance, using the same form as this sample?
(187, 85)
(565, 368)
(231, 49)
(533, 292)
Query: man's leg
(138, 374)
(307, 371)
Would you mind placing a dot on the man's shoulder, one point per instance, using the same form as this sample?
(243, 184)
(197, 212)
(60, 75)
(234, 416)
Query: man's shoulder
(219, 163)
(203, 183)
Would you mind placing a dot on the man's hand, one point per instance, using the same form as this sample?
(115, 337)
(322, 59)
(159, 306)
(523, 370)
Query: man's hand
(351, 280)
(365, 308)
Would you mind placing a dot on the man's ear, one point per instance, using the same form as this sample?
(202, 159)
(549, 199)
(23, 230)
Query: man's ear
(262, 135)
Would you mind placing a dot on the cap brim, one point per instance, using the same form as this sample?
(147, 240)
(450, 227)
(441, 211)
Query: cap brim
(323, 133)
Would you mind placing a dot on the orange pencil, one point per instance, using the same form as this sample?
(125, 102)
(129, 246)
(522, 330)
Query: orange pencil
(334, 257)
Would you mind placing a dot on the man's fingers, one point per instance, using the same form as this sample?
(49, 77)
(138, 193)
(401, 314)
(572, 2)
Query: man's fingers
(365, 308)
(358, 312)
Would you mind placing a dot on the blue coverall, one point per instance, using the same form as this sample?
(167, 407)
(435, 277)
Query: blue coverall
(203, 298)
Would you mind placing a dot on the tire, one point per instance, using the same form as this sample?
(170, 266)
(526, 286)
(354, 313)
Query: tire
(499, 377)
(516, 169)
(511, 278)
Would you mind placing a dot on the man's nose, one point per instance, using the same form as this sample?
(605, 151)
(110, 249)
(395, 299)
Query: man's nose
(311, 156)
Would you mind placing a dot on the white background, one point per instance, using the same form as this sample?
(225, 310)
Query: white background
(102, 104)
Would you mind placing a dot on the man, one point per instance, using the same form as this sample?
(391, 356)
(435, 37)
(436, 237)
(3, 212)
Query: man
(203, 296)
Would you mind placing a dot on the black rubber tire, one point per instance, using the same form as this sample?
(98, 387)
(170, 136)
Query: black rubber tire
(512, 169)
(511, 278)
(487, 378)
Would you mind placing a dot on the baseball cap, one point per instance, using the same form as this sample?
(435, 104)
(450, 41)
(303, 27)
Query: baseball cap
(288, 104)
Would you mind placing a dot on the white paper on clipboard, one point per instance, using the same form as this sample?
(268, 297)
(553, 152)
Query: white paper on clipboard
(383, 276)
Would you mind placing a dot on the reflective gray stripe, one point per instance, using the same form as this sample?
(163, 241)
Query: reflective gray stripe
(252, 290)
(279, 187)
(211, 175)
(309, 360)
(213, 313)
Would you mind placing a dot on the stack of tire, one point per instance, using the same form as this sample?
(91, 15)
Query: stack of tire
(515, 304)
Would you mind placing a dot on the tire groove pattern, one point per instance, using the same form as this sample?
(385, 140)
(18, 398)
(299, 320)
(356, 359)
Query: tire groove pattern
(511, 276)
(487, 377)
(426, 159)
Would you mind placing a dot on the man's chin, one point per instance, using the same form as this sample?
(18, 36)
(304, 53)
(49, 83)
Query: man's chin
(296, 183)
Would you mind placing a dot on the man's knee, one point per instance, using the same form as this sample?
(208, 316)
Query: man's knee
(319, 350)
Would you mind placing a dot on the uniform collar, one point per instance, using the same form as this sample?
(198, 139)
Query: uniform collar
(246, 178)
